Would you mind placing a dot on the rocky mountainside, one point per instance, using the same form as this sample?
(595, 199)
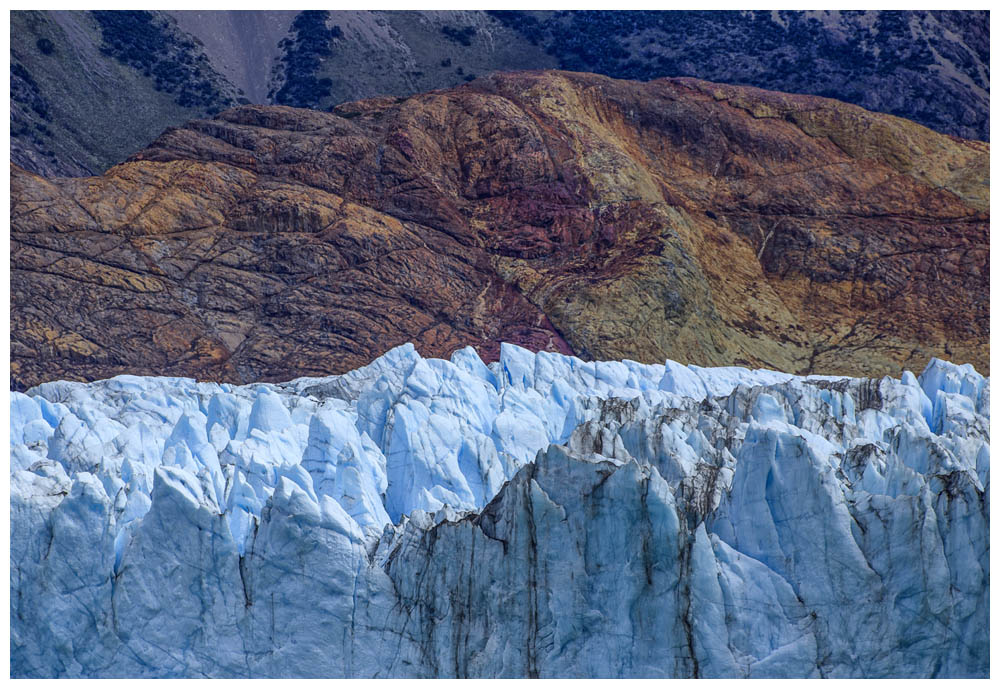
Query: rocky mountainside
(610, 219)
(73, 72)
(538, 517)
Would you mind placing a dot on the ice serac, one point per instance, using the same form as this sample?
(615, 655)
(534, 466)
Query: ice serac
(540, 516)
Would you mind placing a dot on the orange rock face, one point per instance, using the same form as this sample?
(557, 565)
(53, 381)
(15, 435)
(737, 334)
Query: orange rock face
(706, 223)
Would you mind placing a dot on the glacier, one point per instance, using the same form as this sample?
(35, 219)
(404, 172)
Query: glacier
(540, 516)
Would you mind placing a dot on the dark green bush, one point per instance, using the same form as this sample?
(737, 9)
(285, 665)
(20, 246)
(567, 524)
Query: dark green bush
(146, 42)
(463, 35)
(303, 56)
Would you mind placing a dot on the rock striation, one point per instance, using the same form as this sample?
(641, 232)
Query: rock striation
(539, 516)
(559, 211)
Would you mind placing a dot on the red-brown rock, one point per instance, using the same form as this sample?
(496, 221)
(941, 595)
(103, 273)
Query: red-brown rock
(706, 223)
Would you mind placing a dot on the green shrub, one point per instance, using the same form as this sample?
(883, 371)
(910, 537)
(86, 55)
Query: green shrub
(303, 56)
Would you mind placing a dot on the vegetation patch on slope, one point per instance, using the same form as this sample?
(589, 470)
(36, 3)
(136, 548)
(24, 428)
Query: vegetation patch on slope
(302, 58)
(147, 42)
(890, 61)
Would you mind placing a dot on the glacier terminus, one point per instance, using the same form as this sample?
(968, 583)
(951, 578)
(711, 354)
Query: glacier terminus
(540, 516)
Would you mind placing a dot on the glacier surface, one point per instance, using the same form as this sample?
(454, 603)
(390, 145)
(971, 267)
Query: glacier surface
(537, 517)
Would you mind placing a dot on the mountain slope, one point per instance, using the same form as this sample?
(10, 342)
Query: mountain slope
(88, 89)
(931, 67)
(561, 211)
(540, 517)
(385, 53)
(928, 66)
(241, 44)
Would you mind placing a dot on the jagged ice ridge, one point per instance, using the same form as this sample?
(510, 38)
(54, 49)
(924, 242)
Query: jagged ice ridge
(540, 516)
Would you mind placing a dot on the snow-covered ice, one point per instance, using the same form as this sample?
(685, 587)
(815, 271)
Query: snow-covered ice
(540, 516)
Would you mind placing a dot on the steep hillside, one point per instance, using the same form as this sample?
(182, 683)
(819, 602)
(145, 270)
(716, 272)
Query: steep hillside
(930, 67)
(73, 73)
(333, 57)
(88, 89)
(610, 219)
(241, 44)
